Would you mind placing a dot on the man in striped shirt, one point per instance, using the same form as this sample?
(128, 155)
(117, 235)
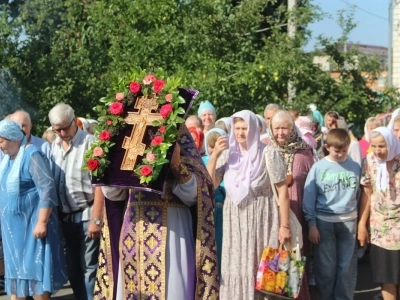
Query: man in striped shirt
(79, 214)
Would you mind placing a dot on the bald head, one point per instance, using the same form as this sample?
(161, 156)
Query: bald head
(193, 121)
(23, 118)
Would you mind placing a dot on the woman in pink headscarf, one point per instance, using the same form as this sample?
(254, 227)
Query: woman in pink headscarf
(251, 217)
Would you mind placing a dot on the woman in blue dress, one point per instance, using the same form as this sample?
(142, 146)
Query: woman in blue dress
(33, 253)
(210, 140)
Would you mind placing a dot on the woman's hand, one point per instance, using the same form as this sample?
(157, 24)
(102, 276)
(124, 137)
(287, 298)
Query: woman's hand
(40, 230)
(362, 235)
(313, 235)
(365, 180)
(220, 145)
(284, 235)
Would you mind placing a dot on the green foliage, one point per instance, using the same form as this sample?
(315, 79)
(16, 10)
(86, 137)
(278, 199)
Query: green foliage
(236, 53)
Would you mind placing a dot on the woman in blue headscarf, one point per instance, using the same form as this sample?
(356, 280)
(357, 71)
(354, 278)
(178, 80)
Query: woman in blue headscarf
(219, 198)
(33, 254)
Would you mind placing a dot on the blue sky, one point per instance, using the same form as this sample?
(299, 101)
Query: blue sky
(371, 16)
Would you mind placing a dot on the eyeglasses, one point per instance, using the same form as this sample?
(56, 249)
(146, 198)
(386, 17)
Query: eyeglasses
(65, 128)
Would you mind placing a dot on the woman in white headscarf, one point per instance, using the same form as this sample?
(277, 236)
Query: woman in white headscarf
(251, 217)
(33, 253)
(380, 204)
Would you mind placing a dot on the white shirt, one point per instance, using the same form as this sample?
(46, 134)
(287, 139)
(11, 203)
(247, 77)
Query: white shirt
(74, 185)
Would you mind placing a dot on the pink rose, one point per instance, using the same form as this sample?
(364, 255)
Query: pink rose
(157, 140)
(109, 122)
(150, 156)
(98, 152)
(168, 97)
(165, 110)
(135, 87)
(149, 79)
(162, 129)
(119, 96)
(158, 86)
(105, 135)
(116, 108)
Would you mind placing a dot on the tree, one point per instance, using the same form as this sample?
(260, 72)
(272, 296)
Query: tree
(236, 53)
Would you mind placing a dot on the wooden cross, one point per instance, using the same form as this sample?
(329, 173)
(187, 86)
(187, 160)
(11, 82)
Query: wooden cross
(134, 145)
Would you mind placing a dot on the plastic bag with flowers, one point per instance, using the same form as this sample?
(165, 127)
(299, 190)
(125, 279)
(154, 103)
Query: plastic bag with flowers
(280, 272)
(139, 121)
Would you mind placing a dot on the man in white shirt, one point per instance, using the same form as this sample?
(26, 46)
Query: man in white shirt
(79, 214)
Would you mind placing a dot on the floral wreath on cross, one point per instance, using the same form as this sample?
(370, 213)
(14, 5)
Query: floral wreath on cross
(125, 91)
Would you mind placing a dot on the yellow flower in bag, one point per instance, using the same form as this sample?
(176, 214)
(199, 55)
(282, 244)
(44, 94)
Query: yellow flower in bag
(269, 281)
(280, 282)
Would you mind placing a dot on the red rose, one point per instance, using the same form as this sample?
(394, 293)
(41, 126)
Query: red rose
(165, 110)
(135, 87)
(158, 86)
(93, 164)
(157, 140)
(109, 122)
(162, 129)
(146, 171)
(105, 135)
(116, 108)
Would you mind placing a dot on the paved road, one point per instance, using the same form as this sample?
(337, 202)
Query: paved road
(365, 289)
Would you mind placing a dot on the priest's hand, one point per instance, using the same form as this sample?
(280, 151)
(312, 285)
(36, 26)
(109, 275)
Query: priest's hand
(176, 156)
(93, 230)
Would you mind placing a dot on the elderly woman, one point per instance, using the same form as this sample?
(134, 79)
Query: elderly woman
(33, 254)
(251, 217)
(370, 124)
(380, 207)
(298, 158)
(207, 114)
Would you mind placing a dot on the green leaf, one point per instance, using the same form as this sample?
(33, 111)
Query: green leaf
(179, 120)
(181, 110)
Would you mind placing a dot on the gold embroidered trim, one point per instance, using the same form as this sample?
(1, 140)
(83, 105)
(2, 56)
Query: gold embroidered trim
(158, 203)
(181, 173)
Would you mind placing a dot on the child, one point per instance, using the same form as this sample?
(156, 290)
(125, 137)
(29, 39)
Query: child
(330, 208)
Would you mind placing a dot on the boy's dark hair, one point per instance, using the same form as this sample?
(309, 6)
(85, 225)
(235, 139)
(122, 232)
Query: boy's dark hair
(338, 138)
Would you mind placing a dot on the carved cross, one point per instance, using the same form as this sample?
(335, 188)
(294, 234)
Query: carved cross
(134, 145)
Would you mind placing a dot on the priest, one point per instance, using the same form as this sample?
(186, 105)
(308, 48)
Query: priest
(161, 246)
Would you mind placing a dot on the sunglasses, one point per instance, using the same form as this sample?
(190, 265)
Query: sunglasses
(65, 128)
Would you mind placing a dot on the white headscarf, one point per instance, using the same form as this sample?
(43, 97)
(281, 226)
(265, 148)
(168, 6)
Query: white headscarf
(393, 148)
(244, 168)
(366, 133)
(394, 115)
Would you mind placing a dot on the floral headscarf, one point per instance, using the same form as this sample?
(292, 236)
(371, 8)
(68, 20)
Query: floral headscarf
(293, 143)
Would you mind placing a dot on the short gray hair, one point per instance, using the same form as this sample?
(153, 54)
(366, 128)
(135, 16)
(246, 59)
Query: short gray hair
(282, 115)
(272, 106)
(60, 113)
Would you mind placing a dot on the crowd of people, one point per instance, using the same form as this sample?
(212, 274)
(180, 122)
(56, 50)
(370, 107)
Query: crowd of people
(203, 238)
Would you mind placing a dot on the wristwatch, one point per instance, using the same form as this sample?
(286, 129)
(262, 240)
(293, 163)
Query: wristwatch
(96, 221)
